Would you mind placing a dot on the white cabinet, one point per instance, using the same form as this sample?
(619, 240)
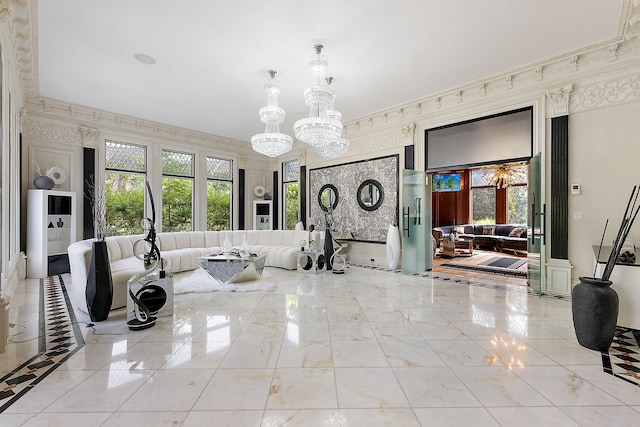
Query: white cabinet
(51, 228)
(262, 215)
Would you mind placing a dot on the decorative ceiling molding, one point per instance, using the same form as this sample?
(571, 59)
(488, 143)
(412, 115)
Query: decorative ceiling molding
(16, 15)
(48, 132)
(381, 142)
(105, 119)
(584, 65)
(602, 60)
(605, 93)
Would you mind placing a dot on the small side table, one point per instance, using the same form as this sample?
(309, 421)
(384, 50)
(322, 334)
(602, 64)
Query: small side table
(460, 247)
(311, 262)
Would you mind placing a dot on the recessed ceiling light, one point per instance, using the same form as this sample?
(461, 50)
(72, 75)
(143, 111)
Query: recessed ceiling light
(145, 59)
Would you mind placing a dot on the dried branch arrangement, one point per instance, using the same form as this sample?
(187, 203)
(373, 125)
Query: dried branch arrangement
(629, 217)
(96, 193)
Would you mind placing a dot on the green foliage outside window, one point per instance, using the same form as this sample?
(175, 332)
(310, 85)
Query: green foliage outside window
(291, 205)
(124, 194)
(484, 205)
(177, 211)
(517, 205)
(218, 205)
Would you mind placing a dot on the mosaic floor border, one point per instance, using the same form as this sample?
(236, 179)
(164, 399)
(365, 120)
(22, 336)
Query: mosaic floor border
(59, 337)
(623, 359)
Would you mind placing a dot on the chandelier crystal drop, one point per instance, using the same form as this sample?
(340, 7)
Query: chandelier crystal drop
(333, 149)
(272, 143)
(323, 128)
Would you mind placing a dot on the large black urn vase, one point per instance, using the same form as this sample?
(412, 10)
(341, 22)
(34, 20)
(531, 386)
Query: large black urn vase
(595, 313)
(99, 290)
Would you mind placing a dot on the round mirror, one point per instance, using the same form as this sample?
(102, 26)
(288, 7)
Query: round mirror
(370, 195)
(328, 197)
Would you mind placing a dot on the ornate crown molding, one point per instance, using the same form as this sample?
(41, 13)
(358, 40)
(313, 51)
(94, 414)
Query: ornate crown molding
(605, 93)
(376, 143)
(16, 15)
(104, 119)
(604, 61)
(52, 132)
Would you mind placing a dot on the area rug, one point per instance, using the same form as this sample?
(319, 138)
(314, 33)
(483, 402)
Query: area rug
(198, 280)
(485, 263)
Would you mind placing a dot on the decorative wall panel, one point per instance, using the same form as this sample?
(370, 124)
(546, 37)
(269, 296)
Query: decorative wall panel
(348, 216)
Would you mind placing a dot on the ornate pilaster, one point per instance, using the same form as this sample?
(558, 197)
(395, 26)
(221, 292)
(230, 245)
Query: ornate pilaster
(242, 161)
(558, 101)
(89, 136)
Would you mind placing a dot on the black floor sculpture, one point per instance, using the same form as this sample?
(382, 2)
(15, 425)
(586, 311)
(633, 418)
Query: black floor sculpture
(148, 299)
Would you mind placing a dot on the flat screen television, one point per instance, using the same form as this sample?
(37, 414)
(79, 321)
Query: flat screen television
(446, 182)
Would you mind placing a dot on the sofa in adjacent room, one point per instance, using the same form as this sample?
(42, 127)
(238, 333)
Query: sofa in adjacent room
(179, 251)
(496, 237)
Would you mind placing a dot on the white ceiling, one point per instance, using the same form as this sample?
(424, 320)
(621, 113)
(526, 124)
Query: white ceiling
(213, 55)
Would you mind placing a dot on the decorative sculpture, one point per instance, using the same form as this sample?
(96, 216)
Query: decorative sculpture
(335, 262)
(149, 298)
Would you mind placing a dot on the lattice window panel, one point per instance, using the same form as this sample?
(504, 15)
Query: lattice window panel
(125, 157)
(481, 177)
(520, 175)
(219, 169)
(177, 163)
(290, 171)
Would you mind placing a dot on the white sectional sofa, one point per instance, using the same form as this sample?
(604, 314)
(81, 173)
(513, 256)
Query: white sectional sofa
(179, 251)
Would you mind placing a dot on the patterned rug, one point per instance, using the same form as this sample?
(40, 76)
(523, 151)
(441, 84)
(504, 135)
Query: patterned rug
(485, 263)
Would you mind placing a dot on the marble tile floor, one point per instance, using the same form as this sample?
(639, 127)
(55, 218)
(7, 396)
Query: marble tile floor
(366, 348)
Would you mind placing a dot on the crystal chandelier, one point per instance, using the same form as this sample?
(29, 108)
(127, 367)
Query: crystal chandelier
(272, 143)
(323, 128)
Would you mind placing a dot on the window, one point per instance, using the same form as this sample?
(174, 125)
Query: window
(483, 197)
(177, 190)
(517, 196)
(125, 176)
(291, 199)
(219, 187)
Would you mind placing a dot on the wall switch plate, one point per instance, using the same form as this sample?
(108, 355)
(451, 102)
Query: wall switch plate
(575, 188)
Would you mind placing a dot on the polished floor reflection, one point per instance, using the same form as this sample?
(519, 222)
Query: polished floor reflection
(368, 347)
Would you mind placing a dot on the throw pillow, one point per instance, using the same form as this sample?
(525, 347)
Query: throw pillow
(488, 231)
(459, 229)
(517, 232)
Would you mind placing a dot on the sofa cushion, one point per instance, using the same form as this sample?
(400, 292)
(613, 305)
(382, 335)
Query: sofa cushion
(211, 239)
(184, 259)
(518, 232)
(121, 271)
(120, 247)
(488, 230)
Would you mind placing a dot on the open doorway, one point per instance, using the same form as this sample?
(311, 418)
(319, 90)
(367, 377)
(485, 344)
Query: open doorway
(480, 220)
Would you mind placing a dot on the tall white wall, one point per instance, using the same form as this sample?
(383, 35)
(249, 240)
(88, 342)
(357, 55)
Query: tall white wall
(604, 158)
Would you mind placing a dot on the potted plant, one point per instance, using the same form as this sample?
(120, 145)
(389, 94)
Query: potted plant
(99, 289)
(594, 303)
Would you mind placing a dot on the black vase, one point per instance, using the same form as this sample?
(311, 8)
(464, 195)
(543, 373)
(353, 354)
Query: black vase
(328, 248)
(595, 313)
(99, 290)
